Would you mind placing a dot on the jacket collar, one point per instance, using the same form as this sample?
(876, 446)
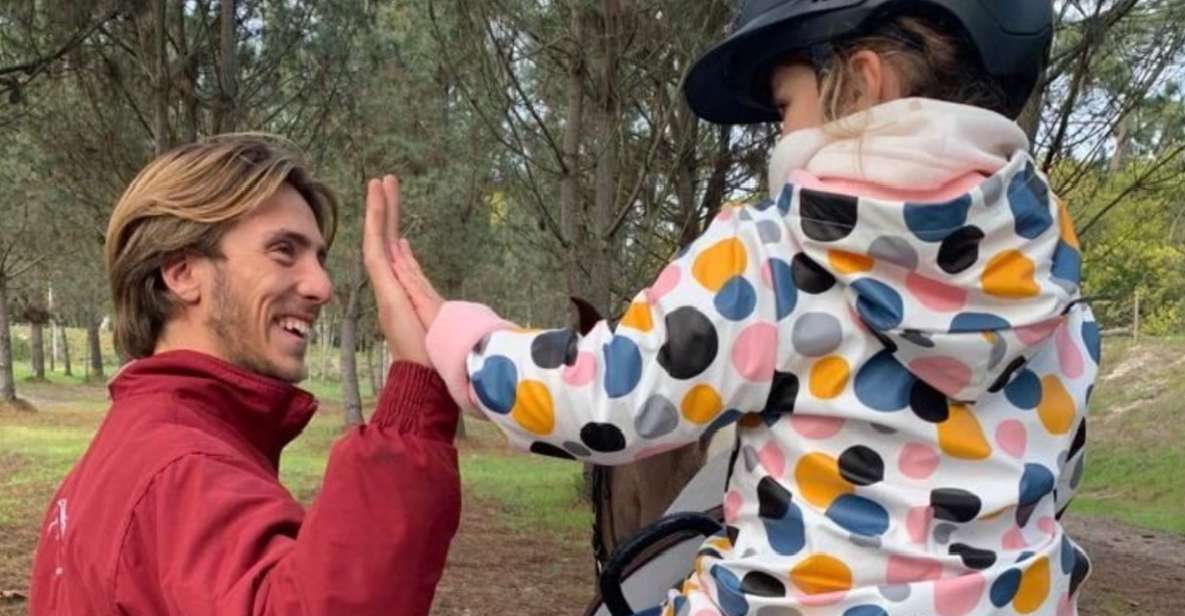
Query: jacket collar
(267, 412)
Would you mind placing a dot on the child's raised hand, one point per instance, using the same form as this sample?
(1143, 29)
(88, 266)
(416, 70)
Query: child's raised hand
(419, 289)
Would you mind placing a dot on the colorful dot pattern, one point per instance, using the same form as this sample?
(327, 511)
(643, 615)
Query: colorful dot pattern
(908, 380)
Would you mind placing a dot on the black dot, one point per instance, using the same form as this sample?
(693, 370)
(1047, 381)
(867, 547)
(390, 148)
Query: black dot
(1007, 375)
(917, 337)
(554, 349)
(810, 277)
(773, 500)
(709, 553)
(960, 250)
(602, 437)
(760, 584)
(1081, 570)
(782, 394)
(861, 466)
(1079, 440)
(885, 341)
(974, 558)
(691, 344)
(732, 532)
(826, 217)
(547, 449)
(928, 403)
(954, 505)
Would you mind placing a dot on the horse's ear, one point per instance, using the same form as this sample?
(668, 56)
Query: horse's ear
(586, 316)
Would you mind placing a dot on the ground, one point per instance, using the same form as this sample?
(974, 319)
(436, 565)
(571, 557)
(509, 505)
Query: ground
(523, 546)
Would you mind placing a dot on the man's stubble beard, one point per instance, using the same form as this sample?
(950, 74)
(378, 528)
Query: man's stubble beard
(230, 324)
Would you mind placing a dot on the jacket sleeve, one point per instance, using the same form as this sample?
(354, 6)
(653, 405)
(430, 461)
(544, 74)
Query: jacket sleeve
(215, 535)
(693, 352)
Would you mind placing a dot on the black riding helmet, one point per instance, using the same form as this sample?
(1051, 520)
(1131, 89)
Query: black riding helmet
(728, 85)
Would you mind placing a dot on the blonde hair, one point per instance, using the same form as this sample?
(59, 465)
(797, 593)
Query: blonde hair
(929, 59)
(184, 201)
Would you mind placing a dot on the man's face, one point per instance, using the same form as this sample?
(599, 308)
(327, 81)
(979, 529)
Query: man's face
(260, 301)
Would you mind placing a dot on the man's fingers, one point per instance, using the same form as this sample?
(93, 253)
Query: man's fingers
(391, 191)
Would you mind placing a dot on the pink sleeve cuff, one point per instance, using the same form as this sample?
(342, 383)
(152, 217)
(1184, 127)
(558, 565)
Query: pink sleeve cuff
(457, 329)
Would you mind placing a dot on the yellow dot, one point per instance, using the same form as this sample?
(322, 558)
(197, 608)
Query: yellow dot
(1066, 226)
(638, 317)
(821, 574)
(719, 263)
(849, 262)
(1056, 409)
(702, 404)
(1010, 275)
(1034, 587)
(819, 481)
(961, 436)
(533, 408)
(829, 377)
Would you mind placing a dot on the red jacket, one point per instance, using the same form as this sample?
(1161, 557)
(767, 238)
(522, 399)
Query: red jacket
(176, 507)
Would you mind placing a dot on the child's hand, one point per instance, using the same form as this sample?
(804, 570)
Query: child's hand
(419, 289)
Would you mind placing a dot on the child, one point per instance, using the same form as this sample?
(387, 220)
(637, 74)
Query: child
(897, 329)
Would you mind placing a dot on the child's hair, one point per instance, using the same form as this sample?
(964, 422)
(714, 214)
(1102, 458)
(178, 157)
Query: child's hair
(932, 61)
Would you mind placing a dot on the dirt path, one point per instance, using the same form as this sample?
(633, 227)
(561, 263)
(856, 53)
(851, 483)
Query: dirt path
(1136, 571)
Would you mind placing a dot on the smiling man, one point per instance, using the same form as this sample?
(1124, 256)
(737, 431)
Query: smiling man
(216, 256)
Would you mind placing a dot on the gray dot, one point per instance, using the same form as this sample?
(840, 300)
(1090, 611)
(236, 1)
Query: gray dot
(770, 231)
(894, 592)
(777, 610)
(577, 449)
(745, 215)
(993, 189)
(751, 459)
(999, 350)
(883, 429)
(895, 250)
(865, 541)
(658, 418)
(1076, 477)
(1061, 460)
(749, 553)
(817, 334)
(942, 533)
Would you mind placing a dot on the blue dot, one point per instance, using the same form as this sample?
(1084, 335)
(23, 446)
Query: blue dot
(496, 383)
(764, 205)
(1094, 343)
(786, 535)
(623, 366)
(859, 515)
(882, 383)
(935, 221)
(723, 419)
(728, 591)
(866, 610)
(1005, 587)
(736, 299)
(785, 293)
(1024, 391)
(1025, 555)
(977, 322)
(785, 197)
(1028, 197)
(1036, 482)
(879, 305)
(1067, 264)
(1067, 555)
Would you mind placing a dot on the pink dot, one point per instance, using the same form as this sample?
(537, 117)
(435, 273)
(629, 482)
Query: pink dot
(724, 215)
(667, 280)
(1014, 540)
(732, 505)
(1068, 354)
(946, 374)
(767, 275)
(1032, 334)
(583, 371)
(815, 426)
(707, 613)
(917, 522)
(1048, 525)
(1065, 607)
(819, 600)
(905, 570)
(917, 460)
(935, 295)
(1012, 438)
(755, 352)
(958, 595)
(772, 459)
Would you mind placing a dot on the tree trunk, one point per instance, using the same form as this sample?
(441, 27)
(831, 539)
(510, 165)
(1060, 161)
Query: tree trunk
(351, 397)
(37, 350)
(94, 348)
(225, 114)
(7, 378)
(570, 181)
(370, 371)
(605, 187)
(66, 369)
(160, 115)
(326, 342)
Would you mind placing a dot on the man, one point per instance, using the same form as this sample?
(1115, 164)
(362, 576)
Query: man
(216, 259)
